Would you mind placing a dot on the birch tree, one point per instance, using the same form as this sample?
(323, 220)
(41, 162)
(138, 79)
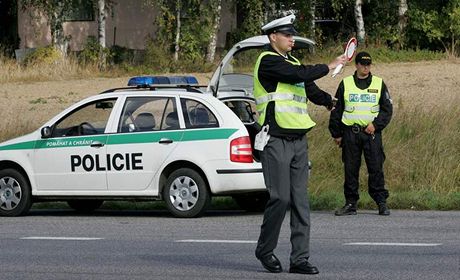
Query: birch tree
(178, 26)
(359, 21)
(216, 7)
(101, 16)
(402, 22)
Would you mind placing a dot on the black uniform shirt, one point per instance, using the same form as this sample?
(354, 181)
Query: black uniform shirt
(274, 69)
(336, 125)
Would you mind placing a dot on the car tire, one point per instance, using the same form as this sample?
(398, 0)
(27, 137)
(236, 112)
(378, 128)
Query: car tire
(252, 202)
(186, 193)
(85, 205)
(15, 193)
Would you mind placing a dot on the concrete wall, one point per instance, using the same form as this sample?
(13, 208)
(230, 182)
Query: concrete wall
(128, 25)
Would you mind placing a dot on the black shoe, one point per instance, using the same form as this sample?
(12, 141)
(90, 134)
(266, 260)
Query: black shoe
(271, 263)
(348, 209)
(383, 209)
(304, 268)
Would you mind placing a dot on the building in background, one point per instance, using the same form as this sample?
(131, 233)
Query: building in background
(129, 23)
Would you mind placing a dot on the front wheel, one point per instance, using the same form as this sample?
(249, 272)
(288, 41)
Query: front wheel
(15, 194)
(186, 194)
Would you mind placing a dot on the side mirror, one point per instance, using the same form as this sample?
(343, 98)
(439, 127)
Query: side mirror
(46, 132)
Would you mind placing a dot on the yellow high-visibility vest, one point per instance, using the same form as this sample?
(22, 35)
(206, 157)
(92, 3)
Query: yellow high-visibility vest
(361, 105)
(290, 101)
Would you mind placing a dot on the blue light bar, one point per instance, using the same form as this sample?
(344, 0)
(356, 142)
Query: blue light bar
(162, 80)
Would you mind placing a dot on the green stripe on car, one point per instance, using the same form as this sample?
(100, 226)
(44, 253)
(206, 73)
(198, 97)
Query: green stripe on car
(126, 138)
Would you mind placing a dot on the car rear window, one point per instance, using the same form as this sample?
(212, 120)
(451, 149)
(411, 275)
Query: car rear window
(197, 115)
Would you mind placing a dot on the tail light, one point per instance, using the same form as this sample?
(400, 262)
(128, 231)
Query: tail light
(241, 149)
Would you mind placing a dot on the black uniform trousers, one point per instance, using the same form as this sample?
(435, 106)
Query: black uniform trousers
(285, 169)
(353, 146)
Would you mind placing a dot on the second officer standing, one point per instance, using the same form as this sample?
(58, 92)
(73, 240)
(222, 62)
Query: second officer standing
(364, 108)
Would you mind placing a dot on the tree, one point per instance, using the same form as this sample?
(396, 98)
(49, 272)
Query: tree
(438, 26)
(402, 22)
(216, 7)
(361, 32)
(55, 11)
(101, 16)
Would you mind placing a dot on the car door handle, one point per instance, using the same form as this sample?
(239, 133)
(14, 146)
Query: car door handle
(165, 141)
(97, 144)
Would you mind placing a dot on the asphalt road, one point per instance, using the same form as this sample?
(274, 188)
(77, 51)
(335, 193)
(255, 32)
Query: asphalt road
(60, 244)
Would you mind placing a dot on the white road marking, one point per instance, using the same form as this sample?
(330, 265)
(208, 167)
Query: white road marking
(392, 244)
(60, 238)
(215, 241)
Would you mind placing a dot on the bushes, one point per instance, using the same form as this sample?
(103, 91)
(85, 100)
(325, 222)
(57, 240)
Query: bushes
(93, 53)
(44, 55)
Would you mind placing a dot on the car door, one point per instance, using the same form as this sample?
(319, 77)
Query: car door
(74, 157)
(148, 131)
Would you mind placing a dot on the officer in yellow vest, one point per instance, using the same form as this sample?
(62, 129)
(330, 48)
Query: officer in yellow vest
(363, 110)
(282, 87)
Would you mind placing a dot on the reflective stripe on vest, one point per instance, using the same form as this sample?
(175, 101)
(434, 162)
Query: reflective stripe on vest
(290, 101)
(280, 96)
(361, 105)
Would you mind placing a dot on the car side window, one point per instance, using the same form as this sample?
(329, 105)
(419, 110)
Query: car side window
(89, 119)
(148, 114)
(245, 110)
(197, 115)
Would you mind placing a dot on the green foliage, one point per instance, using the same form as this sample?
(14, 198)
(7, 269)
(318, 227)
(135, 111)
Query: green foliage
(122, 55)
(92, 52)
(195, 27)
(437, 26)
(157, 56)
(382, 21)
(44, 55)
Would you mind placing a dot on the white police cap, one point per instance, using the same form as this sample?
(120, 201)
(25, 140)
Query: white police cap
(284, 25)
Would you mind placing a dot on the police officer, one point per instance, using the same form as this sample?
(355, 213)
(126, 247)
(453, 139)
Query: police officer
(282, 87)
(363, 110)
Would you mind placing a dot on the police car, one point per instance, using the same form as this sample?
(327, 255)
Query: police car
(176, 143)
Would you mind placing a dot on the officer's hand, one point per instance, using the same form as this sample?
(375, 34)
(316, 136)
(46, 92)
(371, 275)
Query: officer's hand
(370, 129)
(338, 141)
(337, 61)
(331, 106)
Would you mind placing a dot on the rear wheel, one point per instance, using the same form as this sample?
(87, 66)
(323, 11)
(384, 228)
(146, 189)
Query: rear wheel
(15, 194)
(254, 202)
(186, 194)
(85, 205)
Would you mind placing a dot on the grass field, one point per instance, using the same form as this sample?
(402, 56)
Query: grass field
(421, 143)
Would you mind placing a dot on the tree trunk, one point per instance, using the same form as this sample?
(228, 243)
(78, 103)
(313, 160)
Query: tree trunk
(101, 16)
(402, 21)
(313, 17)
(176, 47)
(58, 39)
(361, 33)
(217, 7)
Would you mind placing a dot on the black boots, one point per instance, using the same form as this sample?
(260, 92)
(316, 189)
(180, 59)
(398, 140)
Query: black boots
(271, 263)
(348, 209)
(304, 268)
(383, 209)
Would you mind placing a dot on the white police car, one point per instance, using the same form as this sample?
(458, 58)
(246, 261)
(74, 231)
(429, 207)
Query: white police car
(169, 142)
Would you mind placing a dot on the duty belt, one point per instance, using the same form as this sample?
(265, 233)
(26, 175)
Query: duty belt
(356, 129)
